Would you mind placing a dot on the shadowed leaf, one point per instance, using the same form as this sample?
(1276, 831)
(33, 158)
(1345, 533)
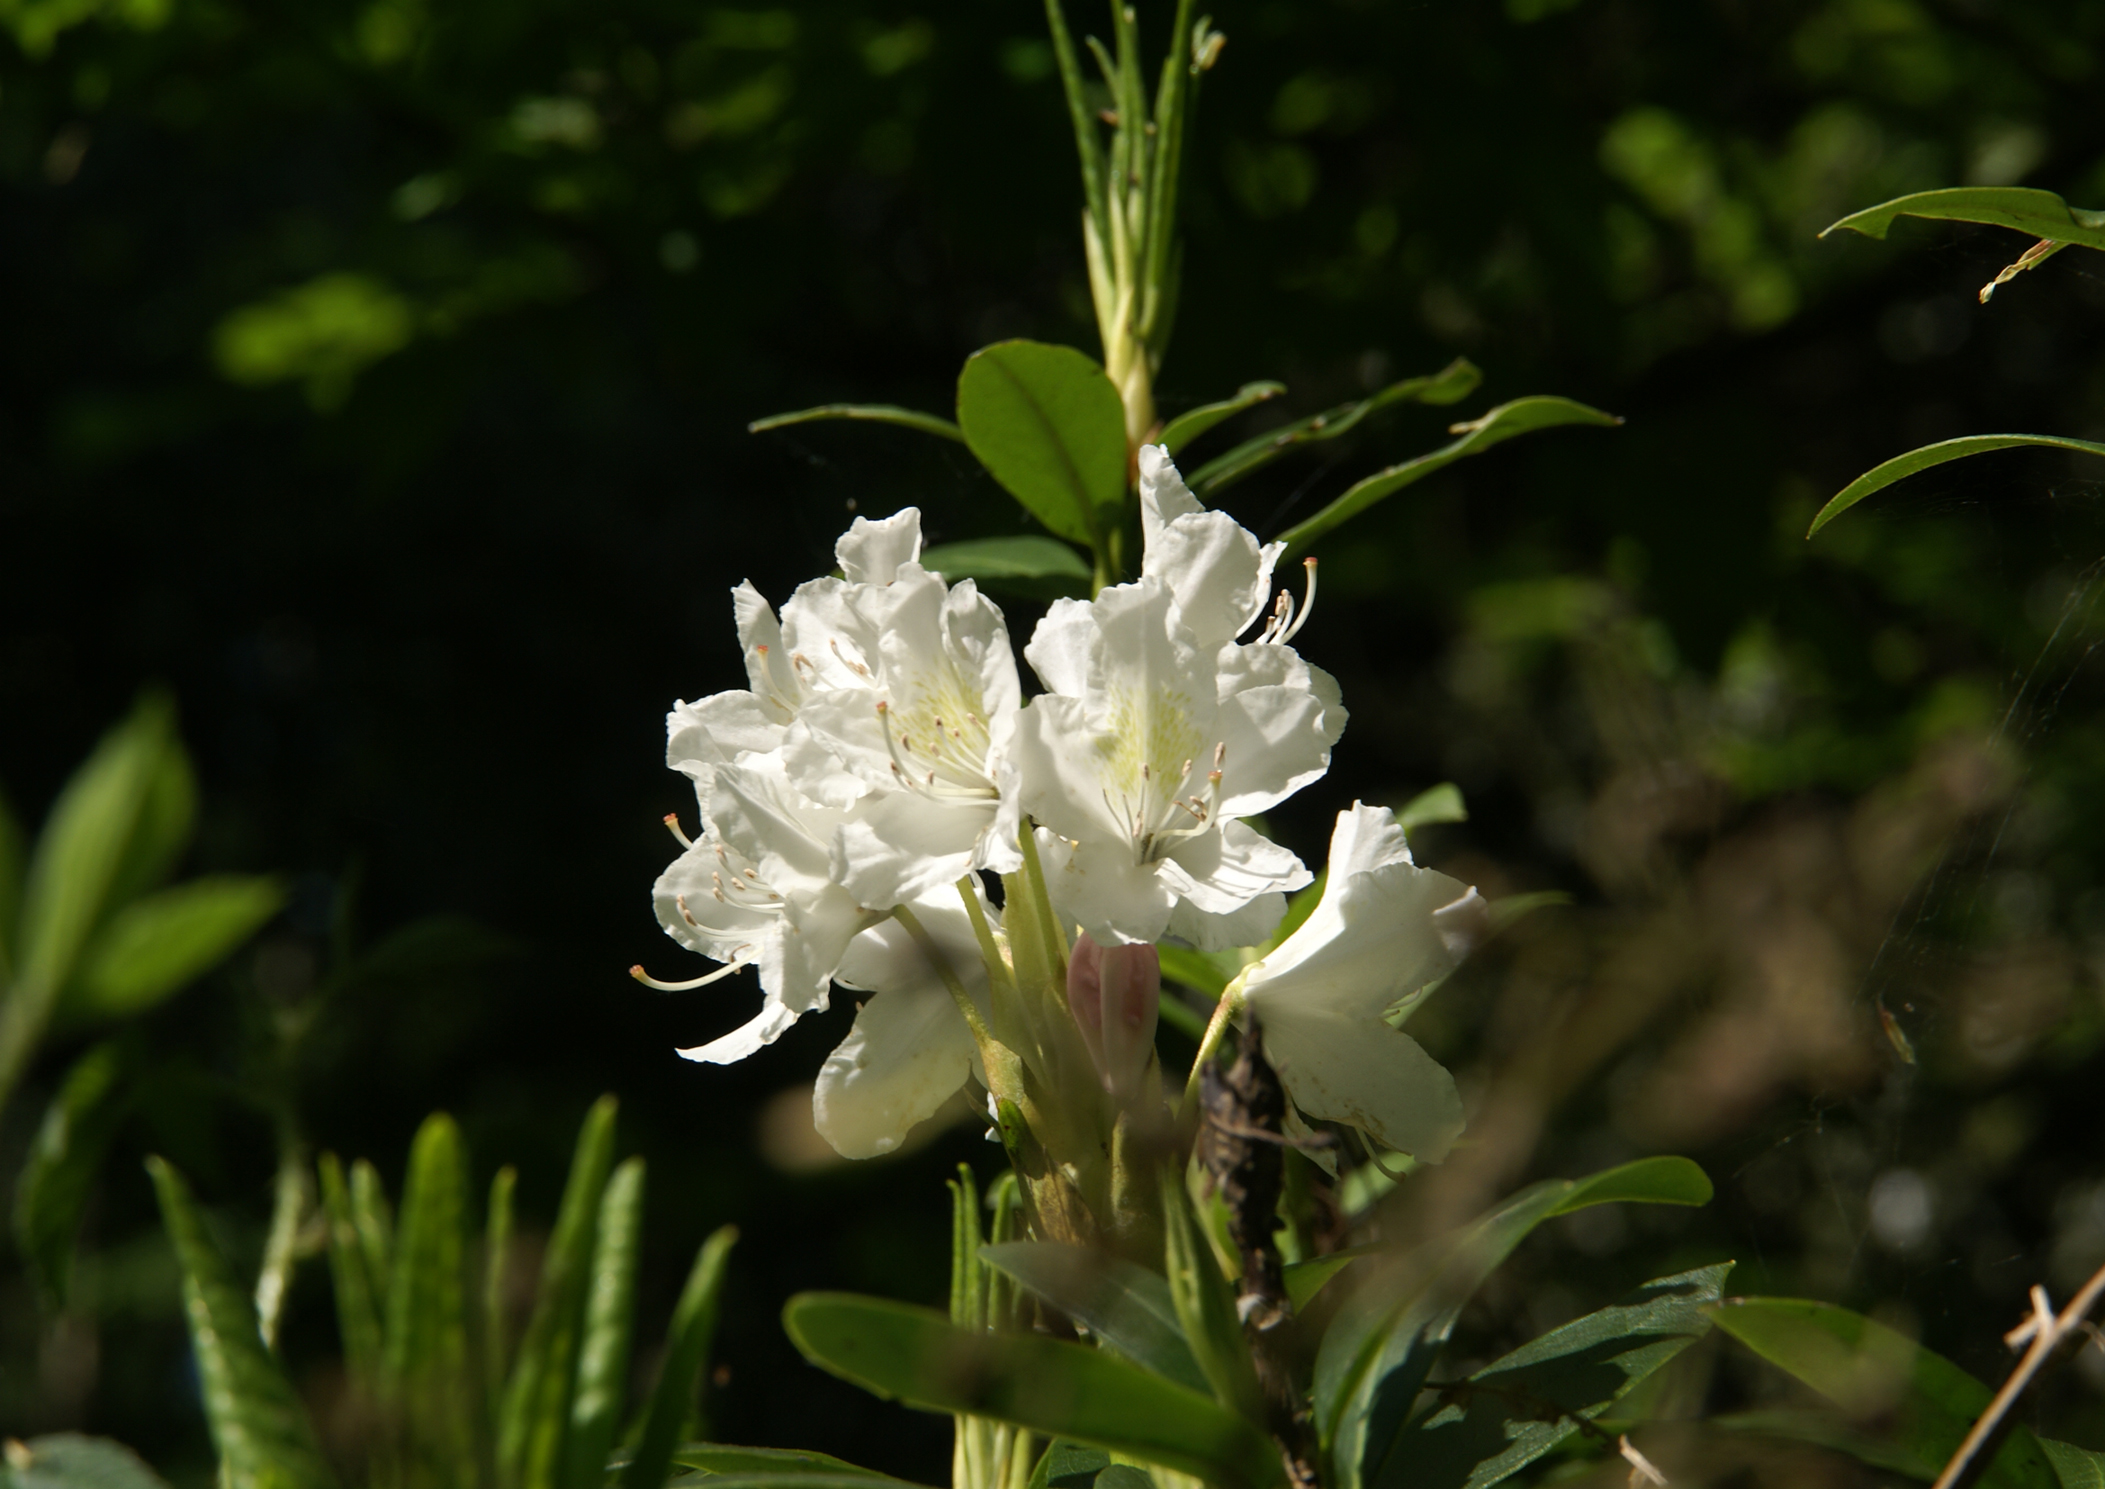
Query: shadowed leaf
(1900, 467)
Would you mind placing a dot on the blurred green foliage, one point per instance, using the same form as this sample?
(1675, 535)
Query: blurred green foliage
(376, 379)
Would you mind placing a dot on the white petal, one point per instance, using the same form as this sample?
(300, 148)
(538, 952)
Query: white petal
(903, 846)
(1218, 571)
(1220, 872)
(886, 956)
(1059, 770)
(768, 672)
(1059, 648)
(1098, 886)
(1247, 925)
(871, 552)
(708, 925)
(1163, 495)
(716, 730)
(908, 1053)
(1368, 1075)
(1278, 719)
(761, 816)
(769, 1025)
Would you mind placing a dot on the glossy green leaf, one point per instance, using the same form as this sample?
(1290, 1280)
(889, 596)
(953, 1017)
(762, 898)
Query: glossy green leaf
(257, 1422)
(672, 1402)
(2076, 1468)
(1049, 1385)
(1032, 563)
(1823, 1429)
(1452, 383)
(727, 1458)
(1068, 1465)
(1441, 803)
(1920, 1402)
(536, 1416)
(1378, 1350)
(1048, 425)
(63, 1160)
(161, 943)
(1902, 466)
(1505, 1416)
(1127, 1307)
(610, 1319)
(1521, 416)
(874, 413)
(358, 1316)
(67, 1460)
(2042, 214)
(1188, 426)
(427, 1380)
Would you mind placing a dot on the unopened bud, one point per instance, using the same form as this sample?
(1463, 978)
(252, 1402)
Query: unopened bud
(1115, 994)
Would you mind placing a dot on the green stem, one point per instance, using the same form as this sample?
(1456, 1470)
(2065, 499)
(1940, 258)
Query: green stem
(998, 972)
(1231, 1004)
(1085, 141)
(941, 963)
(1034, 876)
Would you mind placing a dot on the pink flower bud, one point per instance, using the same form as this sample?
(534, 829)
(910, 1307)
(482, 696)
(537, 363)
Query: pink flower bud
(1115, 994)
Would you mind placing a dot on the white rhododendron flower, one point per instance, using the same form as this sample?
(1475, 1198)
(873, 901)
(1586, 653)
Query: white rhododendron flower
(911, 1049)
(716, 730)
(1159, 729)
(756, 889)
(1384, 932)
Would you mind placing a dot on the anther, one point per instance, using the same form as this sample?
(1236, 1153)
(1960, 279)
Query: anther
(672, 824)
(718, 975)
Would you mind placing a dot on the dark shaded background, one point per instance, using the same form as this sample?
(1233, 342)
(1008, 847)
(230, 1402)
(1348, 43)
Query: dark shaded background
(376, 379)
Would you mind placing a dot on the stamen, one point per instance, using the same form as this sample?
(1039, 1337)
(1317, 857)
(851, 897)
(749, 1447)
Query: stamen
(845, 660)
(718, 975)
(672, 823)
(1308, 601)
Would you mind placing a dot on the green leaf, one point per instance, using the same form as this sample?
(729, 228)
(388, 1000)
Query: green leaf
(878, 413)
(610, 1318)
(1208, 972)
(1521, 416)
(536, 1413)
(1922, 1403)
(1513, 1411)
(1069, 1465)
(2076, 1468)
(2027, 209)
(257, 1421)
(1127, 1307)
(161, 943)
(1452, 383)
(63, 1160)
(1379, 1348)
(114, 822)
(375, 1225)
(779, 1479)
(1048, 1385)
(427, 1381)
(67, 1460)
(496, 1260)
(1188, 426)
(1823, 1429)
(1901, 466)
(686, 1352)
(357, 1294)
(1049, 426)
(726, 1458)
(1040, 566)
(1205, 1308)
(1441, 803)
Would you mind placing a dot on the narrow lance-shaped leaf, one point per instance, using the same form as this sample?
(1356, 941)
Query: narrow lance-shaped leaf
(257, 1422)
(672, 1402)
(1921, 1402)
(610, 1318)
(870, 413)
(1487, 1428)
(12, 850)
(1125, 1306)
(1205, 1308)
(1377, 1352)
(1452, 383)
(1188, 426)
(2042, 214)
(159, 944)
(1878, 478)
(1049, 426)
(374, 1223)
(63, 1160)
(357, 1299)
(536, 1415)
(428, 1382)
(67, 1460)
(728, 1459)
(1521, 416)
(496, 1295)
(1048, 1385)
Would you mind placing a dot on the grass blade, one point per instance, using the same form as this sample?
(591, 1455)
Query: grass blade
(1878, 478)
(610, 1317)
(428, 1381)
(686, 1351)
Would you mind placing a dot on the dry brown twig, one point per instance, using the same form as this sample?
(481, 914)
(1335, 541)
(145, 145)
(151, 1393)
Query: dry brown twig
(2045, 1332)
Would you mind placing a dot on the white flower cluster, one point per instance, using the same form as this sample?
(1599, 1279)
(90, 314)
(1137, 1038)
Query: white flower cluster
(883, 751)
